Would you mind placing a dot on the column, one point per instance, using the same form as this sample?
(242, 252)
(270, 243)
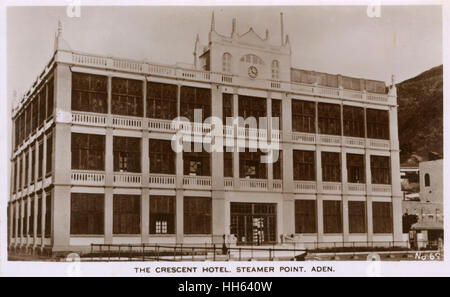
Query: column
(179, 155)
(345, 218)
(145, 208)
(286, 144)
(369, 219)
(35, 219)
(395, 175)
(27, 219)
(61, 161)
(179, 216)
(108, 228)
(269, 137)
(43, 210)
(236, 148)
(319, 208)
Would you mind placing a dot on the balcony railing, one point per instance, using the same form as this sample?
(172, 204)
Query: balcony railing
(382, 189)
(197, 182)
(305, 186)
(127, 179)
(90, 119)
(162, 180)
(127, 122)
(303, 137)
(277, 185)
(228, 182)
(378, 143)
(88, 178)
(356, 188)
(161, 125)
(332, 187)
(253, 184)
(354, 141)
(330, 139)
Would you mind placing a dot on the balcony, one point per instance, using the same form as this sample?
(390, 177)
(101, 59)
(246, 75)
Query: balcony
(253, 184)
(277, 185)
(356, 188)
(88, 119)
(331, 187)
(197, 182)
(159, 125)
(301, 137)
(382, 190)
(330, 139)
(164, 181)
(228, 182)
(87, 178)
(127, 122)
(127, 179)
(354, 141)
(378, 143)
(252, 133)
(305, 186)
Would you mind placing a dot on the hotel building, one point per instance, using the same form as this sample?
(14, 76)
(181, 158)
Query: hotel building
(92, 160)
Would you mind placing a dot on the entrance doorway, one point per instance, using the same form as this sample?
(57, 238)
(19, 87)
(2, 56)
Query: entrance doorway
(253, 223)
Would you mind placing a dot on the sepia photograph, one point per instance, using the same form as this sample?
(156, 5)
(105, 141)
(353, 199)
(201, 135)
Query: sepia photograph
(198, 139)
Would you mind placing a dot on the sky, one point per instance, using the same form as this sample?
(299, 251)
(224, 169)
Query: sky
(404, 40)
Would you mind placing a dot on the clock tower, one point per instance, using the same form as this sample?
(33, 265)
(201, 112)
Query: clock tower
(246, 55)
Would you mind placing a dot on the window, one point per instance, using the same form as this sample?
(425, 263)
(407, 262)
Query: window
(28, 120)
(20, 173)
(252, 107)
(88, 151)
(162, 215)
(278, 166)
(331, 167)
(17, 132)
(50, 101)
(226, 63)
(382, 217)
(35, 115)
(33, 164)
(42, 106)
(303, 116)
(127, 97)
(329, 118)
(353, 121)
(197, 163)
(27, 162)
(162, 157)
(275, 70)
(15, 176)
(305, 216)
(377, 123)
(197, 215)
(19, 220)
(40, 159)
(227, 107)
(126, 214)
(227, 161)
(357, 216)
(48, 213)
(356, 172)
(87, 214)
(195, 98)
(89, 92)
(277, 113)
(39, 217)
(332, 216)
(31, 225)
(250, 165)
(380, 169)
(49, 154)
(304, 165)
(127, 154)
(25, 217)
(427, 180)
(161, 101)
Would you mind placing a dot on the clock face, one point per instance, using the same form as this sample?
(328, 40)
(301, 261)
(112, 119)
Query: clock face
(252, 71)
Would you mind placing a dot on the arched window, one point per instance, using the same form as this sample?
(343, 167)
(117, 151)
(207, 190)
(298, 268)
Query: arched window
(226, 63)
(427, 180)
(275, 69)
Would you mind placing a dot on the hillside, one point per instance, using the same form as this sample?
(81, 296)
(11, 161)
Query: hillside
(420, 114)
